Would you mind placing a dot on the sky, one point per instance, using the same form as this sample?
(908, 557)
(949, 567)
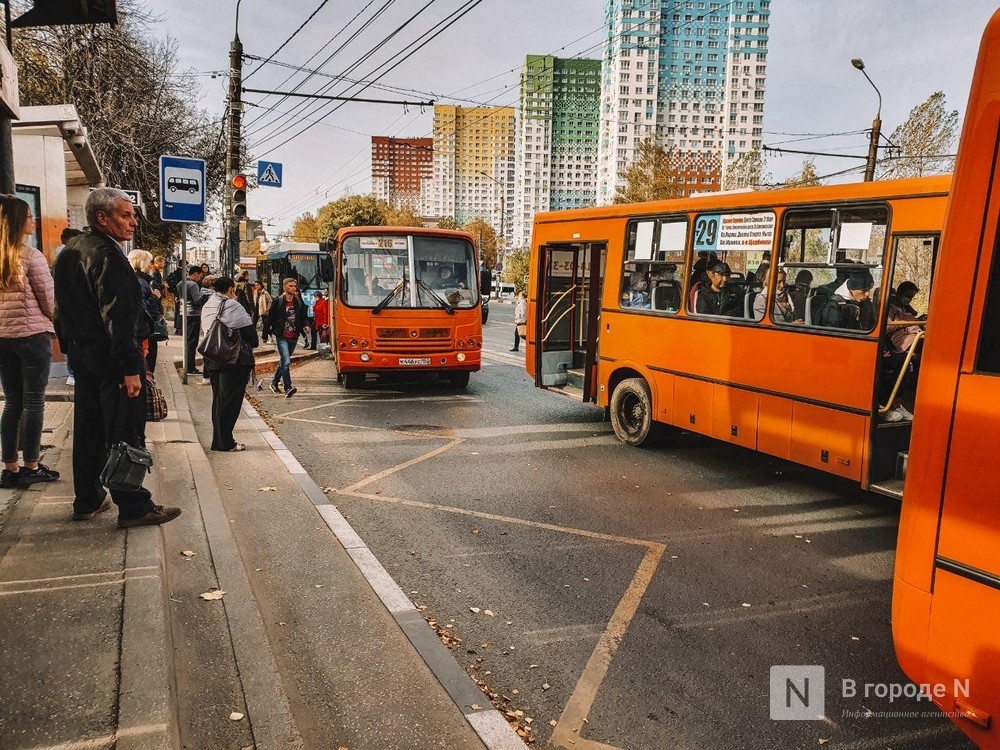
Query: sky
(911, 48)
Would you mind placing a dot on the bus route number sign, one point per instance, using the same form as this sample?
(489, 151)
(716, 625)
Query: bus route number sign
(383, 243)
(746, 233)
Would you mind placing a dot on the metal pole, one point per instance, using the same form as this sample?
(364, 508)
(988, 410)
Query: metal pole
(7, 181)
(184, 307)
(232, 242)
(873, 149)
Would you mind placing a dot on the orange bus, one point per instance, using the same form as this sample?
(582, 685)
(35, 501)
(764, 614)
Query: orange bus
(406, 299)
(761, 319)
(946, 592)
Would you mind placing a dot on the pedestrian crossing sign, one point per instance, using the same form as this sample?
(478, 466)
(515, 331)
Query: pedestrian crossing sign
(269, 174)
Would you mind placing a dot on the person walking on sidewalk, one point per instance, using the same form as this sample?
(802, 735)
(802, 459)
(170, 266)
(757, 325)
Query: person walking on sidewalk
(97, 310)
(27, 307)
(286, 320)
(190, 289)
(520, 319)
(228, 381)
(321, 319)
(261, 306)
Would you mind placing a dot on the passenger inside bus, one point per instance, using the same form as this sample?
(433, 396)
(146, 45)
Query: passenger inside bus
(900, 339)
(798, 293)
(844, 308)
(781, 310)
(718, 298)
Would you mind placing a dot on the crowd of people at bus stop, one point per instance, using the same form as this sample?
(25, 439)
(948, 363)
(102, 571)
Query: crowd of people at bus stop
(107, 309)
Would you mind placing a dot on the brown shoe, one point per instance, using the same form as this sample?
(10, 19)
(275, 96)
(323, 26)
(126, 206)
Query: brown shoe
(156, 516)
(106, 505)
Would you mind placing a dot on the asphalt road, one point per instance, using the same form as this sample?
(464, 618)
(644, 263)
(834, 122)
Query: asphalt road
(637, 598)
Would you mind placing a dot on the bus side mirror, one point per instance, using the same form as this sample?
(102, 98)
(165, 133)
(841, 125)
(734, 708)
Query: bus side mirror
(326, 267)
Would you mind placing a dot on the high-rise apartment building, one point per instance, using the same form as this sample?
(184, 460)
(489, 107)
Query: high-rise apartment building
(402, 171)
(474, 165)
(690, 73)
(557, 136)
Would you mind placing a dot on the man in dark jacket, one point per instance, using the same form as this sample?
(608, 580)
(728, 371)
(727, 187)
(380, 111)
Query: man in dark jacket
(286, 320)
(97, 310)
(719, 299)
(844, 309)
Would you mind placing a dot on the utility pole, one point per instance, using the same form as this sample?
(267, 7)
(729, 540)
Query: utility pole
(230, 254)
(876, 124)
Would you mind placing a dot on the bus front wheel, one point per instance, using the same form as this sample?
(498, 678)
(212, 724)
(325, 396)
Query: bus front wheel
(632, 413)
(353, 379)
(459, 379)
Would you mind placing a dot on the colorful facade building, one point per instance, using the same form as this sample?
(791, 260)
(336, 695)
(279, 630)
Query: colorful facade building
(692, 75)
(474, 165)
(402, 171)
(557, 138)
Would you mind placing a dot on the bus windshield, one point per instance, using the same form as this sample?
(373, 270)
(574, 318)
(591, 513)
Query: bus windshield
(377, 271)
(305, 269)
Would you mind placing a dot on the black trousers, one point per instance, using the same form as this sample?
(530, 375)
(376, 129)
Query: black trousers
(191, 343)
(151, 354)
(228, 386)
(102, 416)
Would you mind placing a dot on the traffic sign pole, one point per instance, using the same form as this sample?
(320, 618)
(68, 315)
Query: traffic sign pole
(184, 305)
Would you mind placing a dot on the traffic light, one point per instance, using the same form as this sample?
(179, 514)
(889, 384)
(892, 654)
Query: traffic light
(239, 196)
(61, 12)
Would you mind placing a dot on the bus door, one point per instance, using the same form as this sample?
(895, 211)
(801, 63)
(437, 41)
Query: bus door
(568, 318)
(900, 346)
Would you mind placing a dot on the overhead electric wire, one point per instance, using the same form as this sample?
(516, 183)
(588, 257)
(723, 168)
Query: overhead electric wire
(360, 30)
(354, 66)
(284, 43)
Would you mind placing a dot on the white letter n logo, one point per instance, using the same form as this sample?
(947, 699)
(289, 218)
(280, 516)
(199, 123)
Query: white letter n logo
(798, 693)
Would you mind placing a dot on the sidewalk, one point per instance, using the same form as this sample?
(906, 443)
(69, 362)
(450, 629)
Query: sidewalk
(109, 643)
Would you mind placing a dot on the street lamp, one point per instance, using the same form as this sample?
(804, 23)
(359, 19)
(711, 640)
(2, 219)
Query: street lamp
(858, 63)
(503, 202)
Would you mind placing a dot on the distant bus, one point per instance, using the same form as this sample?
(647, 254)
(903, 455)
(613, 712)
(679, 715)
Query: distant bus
(946, 592)
(309, 263)
(615, 319)
(407, 300)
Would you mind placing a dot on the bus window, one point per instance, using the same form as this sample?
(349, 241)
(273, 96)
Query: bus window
(730, 249)
(833, 258)
(654, 252)
(988, 356)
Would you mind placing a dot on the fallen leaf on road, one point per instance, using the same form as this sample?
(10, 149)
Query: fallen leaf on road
(328, 490)
(489, 613)
(319, 585)
(188, 553)
(747, 605)
(235, 716)
(515, 691)
(532, 666)
(855, 638)
(476, 707)
(476, 532)
(823, 742)
(475, 610)
(545, 686)
(268, 489)
(553, 723)
(212, 595)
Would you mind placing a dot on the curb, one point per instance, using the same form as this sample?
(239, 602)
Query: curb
(489, 724)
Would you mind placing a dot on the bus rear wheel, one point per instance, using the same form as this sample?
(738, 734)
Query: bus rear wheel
(459, 379)
(353, 379)
(632, 413)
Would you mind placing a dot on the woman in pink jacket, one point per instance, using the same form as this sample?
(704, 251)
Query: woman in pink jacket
(27, 307)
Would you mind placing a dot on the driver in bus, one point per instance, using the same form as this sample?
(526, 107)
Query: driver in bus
(445, 279)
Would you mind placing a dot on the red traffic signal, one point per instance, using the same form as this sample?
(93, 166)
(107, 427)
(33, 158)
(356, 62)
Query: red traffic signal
(239, 184)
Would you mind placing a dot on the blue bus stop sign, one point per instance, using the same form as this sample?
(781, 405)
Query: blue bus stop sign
(182, 189)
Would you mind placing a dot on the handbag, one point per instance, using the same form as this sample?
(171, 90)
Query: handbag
(126, 467)
(221, 344)
(159, 330)
(522, 330)
(156, 404)
(324, 335)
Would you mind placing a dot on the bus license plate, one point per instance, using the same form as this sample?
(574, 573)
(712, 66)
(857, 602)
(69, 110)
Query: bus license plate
(414, 360)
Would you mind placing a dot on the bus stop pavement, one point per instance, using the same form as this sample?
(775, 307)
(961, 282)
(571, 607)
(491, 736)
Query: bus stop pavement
(257, 619)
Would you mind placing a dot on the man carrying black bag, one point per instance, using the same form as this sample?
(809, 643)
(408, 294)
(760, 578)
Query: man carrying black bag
(97, 309)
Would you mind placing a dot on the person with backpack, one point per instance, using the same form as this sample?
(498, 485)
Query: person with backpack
(843, 309)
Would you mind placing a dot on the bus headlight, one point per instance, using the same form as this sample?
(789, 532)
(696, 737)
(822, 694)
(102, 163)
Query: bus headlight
(365, 357)
(460, 356)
